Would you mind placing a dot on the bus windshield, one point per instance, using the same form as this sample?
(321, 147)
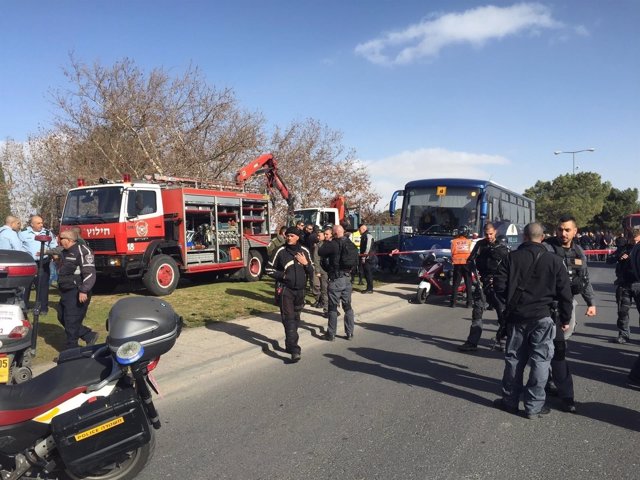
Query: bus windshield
(428, 212)
(92, 205)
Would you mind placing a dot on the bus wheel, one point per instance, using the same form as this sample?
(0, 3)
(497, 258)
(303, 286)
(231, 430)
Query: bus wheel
(253, 270)
(162, 276)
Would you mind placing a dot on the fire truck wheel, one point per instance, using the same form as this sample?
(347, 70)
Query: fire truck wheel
(162, 276)
(253, 270)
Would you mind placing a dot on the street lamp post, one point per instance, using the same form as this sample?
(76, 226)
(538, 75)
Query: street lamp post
(573, 156)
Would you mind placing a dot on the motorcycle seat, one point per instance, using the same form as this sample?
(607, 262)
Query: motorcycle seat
(24, 401)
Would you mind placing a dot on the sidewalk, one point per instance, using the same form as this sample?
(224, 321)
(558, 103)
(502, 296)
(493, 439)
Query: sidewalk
(224, 344)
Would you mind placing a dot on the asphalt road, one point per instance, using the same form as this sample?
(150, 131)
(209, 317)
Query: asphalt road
(400, 402)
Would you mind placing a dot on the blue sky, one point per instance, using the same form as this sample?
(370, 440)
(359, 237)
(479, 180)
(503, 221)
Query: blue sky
(419, 88)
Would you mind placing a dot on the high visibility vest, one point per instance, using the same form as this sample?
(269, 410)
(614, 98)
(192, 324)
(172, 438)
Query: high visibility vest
(460, 250)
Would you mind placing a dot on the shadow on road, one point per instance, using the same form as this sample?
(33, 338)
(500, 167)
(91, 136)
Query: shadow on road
(444, 343)
(619, 416)
(423, 372)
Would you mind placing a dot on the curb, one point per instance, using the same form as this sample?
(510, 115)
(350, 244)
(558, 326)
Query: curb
(203, 343)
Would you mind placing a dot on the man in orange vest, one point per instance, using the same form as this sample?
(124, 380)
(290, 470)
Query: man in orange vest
(460, 251)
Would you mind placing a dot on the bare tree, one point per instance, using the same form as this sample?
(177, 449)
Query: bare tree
(120, 119)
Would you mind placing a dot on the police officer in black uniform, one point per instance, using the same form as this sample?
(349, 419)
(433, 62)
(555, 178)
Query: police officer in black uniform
(575, 261)
(627, 285)
(485, 258)
(290, 266)
(76, 278)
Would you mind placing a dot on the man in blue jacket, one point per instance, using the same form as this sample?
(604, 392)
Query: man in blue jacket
(28, 238)
(291, 266)
(9, 239)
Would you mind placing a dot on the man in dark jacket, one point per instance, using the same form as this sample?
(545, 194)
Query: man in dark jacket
(76, 278)
(366, 260)
(485, 258)
(531, 279)
(627, 285)
(290, 266)
(575, 262)
(339, 289)
(634, 259)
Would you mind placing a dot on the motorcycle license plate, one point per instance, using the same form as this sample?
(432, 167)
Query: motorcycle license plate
(4, 369)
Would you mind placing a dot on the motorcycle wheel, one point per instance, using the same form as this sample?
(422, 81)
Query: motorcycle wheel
(422, 295)
(127, 467)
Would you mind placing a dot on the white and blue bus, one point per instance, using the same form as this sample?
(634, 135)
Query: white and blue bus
(433, 211)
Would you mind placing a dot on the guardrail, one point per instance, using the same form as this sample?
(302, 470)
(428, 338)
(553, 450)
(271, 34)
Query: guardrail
(599, 255)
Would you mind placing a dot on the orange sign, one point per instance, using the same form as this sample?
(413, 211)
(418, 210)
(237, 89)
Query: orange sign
(441, 191)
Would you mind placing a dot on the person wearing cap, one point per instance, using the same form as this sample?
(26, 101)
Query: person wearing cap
(290, 266)
(76, 278)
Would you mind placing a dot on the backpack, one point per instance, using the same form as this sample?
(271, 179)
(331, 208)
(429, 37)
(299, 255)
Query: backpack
(349, 255)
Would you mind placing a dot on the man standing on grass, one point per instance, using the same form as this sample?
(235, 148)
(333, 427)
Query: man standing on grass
(76, 278)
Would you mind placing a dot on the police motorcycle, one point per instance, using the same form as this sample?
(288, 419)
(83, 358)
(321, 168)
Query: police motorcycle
(17, 271)
(91, 416)
(435, 274)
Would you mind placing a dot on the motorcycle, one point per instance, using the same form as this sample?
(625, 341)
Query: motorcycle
(91, 416)
(436, 275)
(17, 271)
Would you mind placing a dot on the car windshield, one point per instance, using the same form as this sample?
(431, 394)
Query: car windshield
(92, 205)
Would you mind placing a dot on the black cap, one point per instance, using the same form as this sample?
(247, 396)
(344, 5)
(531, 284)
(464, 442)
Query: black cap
(293, 231)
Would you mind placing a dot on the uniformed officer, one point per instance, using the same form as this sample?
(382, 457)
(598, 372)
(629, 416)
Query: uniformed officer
(290, 266)
(575, 261)
(28, 238)
(486, 256)
(460, 252)
(627, 285)
(76, 278)
(9, 239)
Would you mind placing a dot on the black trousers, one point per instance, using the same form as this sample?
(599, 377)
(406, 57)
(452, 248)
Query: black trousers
(71, 314)
(291, 303)
(459, 272)
(368, 273)
(42, 284)
(625, 297)
(475, 331)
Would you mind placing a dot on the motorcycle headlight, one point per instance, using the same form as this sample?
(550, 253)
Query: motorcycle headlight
(129, 352)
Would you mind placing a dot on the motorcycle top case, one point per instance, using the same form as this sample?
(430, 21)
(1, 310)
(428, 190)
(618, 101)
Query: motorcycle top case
(17, 271)
(147, 320)
(99, 432)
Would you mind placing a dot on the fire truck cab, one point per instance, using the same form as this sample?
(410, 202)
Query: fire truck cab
(160, 228)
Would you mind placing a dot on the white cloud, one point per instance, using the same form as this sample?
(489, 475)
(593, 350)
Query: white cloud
(392, 173)
(474, 27)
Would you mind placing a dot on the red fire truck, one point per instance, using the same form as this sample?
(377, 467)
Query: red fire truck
(156, 229)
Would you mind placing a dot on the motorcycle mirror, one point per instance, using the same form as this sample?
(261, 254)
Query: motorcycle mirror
(129, 352)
